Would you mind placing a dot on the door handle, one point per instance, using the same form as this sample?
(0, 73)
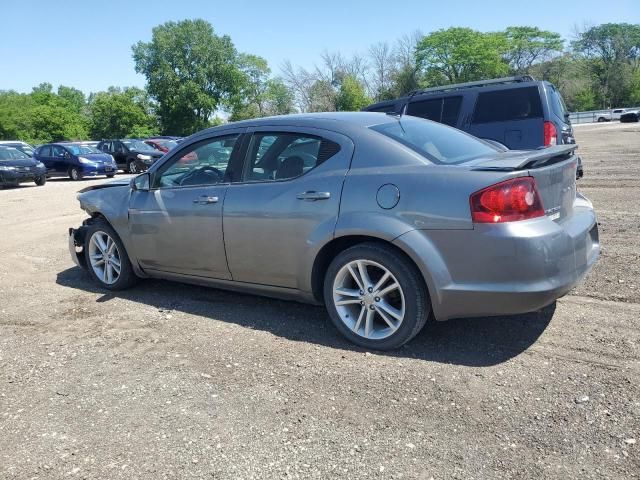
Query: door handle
(313, 195)
(205, 200)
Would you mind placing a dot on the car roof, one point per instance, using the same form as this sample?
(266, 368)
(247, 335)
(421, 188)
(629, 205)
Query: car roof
(326, 120)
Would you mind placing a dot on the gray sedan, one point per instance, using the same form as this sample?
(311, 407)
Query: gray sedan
(386, 220)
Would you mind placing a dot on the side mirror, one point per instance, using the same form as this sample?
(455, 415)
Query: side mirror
(141, 182)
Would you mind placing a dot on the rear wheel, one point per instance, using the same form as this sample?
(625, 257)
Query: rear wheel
(601, 119)
(375, 296)
(40, 181)
(74, 173)
(106, 257)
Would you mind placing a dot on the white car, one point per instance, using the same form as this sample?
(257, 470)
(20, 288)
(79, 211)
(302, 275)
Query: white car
(612, 115)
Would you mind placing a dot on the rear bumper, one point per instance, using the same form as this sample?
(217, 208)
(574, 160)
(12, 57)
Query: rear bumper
(505, 269)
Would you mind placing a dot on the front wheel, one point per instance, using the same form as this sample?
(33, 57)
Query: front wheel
(74, 173)
(40, 181)
(111, 175)
(375, 296)
(132, 167)
(601, 119)
(106, 258)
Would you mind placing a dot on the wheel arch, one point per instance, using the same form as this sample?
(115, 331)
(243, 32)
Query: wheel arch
(339, 244)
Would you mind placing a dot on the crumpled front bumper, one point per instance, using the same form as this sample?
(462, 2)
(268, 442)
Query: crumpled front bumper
(76, 246)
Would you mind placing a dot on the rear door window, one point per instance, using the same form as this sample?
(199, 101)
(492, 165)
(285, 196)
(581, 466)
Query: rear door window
(508, 105)
(451, 110)
(429, 109)
(442, 110)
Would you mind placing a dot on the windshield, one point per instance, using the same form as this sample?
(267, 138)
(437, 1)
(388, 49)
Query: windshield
(82, 149)
(434, 141)
(9, 153)
(138, 145)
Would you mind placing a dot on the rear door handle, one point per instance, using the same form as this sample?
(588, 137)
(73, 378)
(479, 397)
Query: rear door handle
(313, 195)
(205, 200)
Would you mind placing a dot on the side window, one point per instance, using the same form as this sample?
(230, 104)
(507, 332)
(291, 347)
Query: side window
(57, 151)
(45, 151)
(384, 108)
(429, 109)
(118, 147)
(557, 104)
(508, 105)
(204, 163)
(106, 147)
(451, 110)
(281, 156)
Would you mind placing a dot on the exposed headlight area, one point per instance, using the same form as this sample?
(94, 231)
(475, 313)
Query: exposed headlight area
(86, 161)
(40, 165)
(7, 168)
(144, 157)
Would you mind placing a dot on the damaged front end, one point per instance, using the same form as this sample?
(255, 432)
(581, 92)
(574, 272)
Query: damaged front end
(76, 245)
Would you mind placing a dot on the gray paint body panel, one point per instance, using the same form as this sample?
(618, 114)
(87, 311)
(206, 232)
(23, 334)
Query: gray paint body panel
(261, 238)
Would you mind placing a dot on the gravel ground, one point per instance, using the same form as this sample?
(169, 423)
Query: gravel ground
(175, 381)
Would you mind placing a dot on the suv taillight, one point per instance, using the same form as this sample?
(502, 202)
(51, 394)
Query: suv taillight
(508, 201)
(550, 134)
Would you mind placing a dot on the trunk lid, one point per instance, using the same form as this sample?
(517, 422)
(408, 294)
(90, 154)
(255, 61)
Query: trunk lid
(554, 169)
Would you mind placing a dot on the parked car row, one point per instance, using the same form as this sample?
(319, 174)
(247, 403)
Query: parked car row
(22, 162)
(622, 114)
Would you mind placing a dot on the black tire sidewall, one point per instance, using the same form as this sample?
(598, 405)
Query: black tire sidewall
(127, 275)
(40, 181)
(417, 306)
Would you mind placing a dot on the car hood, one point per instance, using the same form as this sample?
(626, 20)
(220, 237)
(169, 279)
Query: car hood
(19, 162)
(121, 182)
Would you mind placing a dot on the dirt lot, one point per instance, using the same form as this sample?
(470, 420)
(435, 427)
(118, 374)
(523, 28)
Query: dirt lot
(174, 381)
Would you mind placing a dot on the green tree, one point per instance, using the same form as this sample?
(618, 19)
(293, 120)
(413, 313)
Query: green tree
(190, 71)
(461, 55)
(611, 52)
(352, 95)
(529, 45)
(73, 97)
(119, 113)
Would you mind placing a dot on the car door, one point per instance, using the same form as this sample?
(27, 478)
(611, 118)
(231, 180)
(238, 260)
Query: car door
(119, 152)
(44, 155)
(176, 225)
(288, 198)
(60, 159)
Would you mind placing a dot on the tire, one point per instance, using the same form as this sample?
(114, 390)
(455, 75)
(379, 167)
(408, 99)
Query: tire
(74, 174)
(99, 273)
(111, 175)
(40, 181)
(132, 167)
(601, 119)
(411, 300)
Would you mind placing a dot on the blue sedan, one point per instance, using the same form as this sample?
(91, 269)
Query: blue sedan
(75, 160)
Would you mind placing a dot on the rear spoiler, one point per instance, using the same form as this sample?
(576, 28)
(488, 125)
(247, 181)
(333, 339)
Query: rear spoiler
(527, 159)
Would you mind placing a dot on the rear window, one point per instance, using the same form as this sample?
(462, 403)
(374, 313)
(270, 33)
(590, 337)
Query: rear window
(443, 110)
(508, 105)
(437, 143)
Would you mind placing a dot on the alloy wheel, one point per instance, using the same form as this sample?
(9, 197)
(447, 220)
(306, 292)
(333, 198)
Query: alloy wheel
(105, 257)
(369, 299)
(133, 168)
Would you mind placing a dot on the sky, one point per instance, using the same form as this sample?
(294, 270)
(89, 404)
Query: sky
(86, 44)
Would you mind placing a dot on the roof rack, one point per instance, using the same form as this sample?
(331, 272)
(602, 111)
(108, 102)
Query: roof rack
(481, 83)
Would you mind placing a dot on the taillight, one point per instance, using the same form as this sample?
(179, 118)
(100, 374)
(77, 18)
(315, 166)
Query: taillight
(550, 134)
(509, 201)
